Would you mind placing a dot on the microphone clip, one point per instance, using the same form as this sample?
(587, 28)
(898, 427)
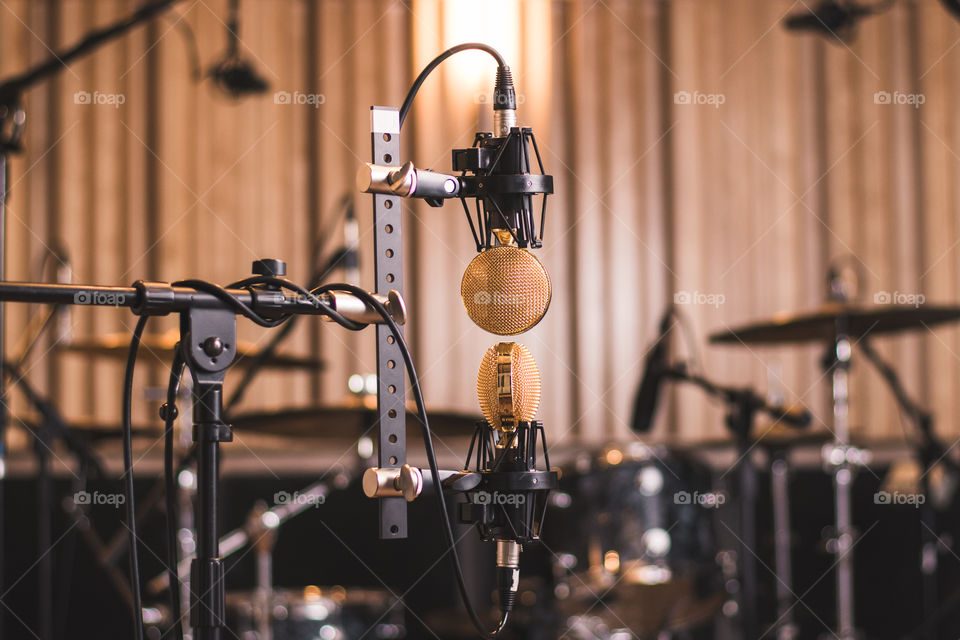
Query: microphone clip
(510, 500)
(496, 171)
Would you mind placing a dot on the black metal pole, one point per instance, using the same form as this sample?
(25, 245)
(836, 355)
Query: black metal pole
(208, 611)
(44, 533)
(739, 421)
(4, 410)
(208, 340)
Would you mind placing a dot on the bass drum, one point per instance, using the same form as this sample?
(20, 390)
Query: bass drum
(312, 613)
(631, 536)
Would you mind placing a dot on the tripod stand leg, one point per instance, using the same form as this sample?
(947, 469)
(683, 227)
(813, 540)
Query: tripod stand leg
(44, 540)
(4, 410)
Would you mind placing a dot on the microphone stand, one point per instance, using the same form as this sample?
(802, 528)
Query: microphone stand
(12, 119)
(743, 404)
(208, 328)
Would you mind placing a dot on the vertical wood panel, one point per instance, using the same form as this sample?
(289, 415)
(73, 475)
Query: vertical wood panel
(747, 200)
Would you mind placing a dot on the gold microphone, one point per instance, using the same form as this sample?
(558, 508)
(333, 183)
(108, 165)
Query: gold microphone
(505, 289)
(508, 386)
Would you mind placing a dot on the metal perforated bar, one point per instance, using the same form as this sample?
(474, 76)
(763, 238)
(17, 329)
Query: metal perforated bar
(385, 142)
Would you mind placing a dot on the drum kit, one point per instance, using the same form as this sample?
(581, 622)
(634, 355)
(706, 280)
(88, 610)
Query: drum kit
(643, 519)
(633, 543)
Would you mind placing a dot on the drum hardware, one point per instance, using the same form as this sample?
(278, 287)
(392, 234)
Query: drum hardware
(263, 532)
(729, 566)
(52, 428)
(328, 613)
(786, 627)
(12, 123)
(108, 554)
(289, 506)
(930, 452)
(820, 325)
(836, 363)
(742, 406)
(631, 547)
(839, 324)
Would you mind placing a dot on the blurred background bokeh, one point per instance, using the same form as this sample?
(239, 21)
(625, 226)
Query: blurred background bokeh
(701, 153)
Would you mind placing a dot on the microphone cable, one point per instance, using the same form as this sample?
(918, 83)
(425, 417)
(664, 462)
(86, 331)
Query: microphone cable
(244, 310)
(169, 414)
(467, 46)
(411, 371)
(128, 476)
(431, 455)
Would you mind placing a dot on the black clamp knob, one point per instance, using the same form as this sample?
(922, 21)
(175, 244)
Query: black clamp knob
(168, 410)
(270, 267)
(213, 346)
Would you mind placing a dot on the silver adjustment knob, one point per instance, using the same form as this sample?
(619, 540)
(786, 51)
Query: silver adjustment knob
(406, 481)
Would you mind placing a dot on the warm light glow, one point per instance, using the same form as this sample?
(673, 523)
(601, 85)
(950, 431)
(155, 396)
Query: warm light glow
(611, 561)
(493, 22)
(518, 29)
(614, 457)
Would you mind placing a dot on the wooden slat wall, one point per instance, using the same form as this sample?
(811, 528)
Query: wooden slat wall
(745, 201)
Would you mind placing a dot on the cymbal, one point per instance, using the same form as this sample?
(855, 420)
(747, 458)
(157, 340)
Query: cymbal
(822, 324)
(772, 438)
(92, 429)
(347, 420)
(116, 346)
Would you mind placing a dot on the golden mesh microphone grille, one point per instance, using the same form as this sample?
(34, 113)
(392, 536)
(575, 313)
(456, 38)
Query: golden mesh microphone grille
(508, 385)
(505, 290)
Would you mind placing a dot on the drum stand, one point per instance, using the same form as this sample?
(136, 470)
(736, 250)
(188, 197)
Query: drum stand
(743, 404)
(264, 539)
(930, 452)
(779, 489)
(842, 458)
